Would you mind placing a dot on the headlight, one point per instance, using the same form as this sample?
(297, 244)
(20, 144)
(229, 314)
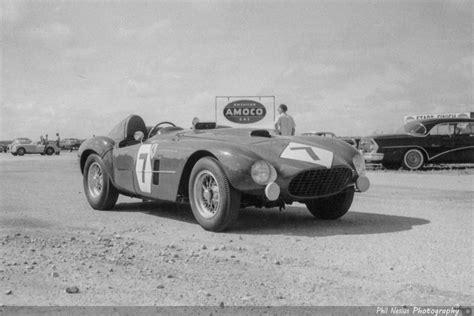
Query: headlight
(368, 145)
(263, 172)
(359, 164)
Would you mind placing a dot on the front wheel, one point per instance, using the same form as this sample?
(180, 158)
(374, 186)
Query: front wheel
(100, 192)
(215, 204)
(21, 151)
(49, 151)
(413, 159)
(331, 207)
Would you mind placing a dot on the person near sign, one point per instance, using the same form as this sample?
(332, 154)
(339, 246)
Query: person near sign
(58, 139)
(194, 122)
(284, 124)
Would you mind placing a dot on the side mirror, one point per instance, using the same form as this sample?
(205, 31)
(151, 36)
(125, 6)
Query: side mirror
(138, 136)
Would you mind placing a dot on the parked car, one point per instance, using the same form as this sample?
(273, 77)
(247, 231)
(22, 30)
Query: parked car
(20, 140)
(323, 134)
(220, 170)
(21, 146)
(428, 141)
(70, 143)
(353, 141)
(4, 145)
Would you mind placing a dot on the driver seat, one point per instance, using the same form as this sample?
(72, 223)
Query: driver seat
(133, 124)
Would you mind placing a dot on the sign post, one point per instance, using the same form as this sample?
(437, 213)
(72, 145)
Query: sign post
(249, 111)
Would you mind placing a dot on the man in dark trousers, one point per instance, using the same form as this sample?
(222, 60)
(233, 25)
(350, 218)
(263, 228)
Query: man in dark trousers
(45, 143)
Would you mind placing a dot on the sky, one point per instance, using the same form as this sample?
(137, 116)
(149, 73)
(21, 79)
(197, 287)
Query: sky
(350, 67)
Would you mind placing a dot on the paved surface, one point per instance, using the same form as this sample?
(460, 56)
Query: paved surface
(407, 241)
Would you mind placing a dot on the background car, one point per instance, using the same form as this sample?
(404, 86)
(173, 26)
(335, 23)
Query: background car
(20, 140)
(428, 141)
(4, 145)
(22, 146)
(220, 170)
(353, 141)
(71, 143)
(323, 134)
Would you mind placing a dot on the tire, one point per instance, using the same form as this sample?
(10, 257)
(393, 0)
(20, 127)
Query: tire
(413, 159)
(208, 181)
(21, 151)
(332, 207)
(49, 151)
(100, 192)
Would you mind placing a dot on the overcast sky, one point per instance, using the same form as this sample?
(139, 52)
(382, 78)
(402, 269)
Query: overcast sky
(351, 67)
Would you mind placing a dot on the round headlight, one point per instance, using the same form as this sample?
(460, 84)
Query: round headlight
(263, 173)
(359, 164)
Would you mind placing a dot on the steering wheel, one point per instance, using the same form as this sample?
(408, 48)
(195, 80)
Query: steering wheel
(155, 128)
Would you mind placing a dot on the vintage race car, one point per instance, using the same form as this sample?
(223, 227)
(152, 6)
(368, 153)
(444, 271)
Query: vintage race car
(220, 170)
(21, 146)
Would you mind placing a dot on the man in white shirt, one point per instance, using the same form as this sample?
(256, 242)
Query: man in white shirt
(284, 124)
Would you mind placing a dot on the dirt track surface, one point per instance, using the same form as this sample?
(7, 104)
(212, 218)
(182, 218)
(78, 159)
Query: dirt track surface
(407, 241)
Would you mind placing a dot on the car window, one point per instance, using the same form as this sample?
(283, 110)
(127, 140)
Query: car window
(443, 129)
(465, 128)
(415, 128)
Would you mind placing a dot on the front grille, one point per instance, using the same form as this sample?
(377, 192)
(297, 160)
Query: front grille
(320, 182)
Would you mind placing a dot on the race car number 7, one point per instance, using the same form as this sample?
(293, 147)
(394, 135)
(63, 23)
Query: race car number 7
(143, 168)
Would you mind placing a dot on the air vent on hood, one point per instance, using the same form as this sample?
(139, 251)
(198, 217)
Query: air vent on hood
(260, 133)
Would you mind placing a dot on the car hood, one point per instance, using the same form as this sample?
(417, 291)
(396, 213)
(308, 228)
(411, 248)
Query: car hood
(275, 148)
(392, 136)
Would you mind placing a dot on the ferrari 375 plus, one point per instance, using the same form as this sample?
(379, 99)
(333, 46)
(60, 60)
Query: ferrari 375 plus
(220, 170)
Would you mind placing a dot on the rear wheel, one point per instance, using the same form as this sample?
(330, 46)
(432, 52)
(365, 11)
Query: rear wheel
(100, 192)
(215, 204)
(21, 151)
(413, 159)
(331, 207)
(49, 151)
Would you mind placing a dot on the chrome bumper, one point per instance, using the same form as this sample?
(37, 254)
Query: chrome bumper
(373, 157)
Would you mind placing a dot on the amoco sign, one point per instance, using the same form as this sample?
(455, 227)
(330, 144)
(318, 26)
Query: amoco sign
(244, 111)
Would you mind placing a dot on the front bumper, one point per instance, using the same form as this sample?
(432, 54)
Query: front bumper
(373, 157)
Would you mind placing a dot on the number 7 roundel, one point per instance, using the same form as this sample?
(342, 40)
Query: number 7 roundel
(143, 168)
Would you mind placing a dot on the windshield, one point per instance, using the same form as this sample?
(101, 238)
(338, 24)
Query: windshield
(415, 128)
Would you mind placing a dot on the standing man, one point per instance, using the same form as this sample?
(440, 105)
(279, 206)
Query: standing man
(45, 143)
(284, 124)
(58, 139)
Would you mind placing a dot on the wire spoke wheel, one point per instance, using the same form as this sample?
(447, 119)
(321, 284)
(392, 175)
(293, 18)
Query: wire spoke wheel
(99, 190)
(95, 180)
(206, 193)
(215, 204)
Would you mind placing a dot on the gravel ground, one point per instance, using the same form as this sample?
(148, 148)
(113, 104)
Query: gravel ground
(407, 241)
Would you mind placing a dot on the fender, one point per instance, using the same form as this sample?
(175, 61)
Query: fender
(236, 170)
(237, 163)
(100, 145)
